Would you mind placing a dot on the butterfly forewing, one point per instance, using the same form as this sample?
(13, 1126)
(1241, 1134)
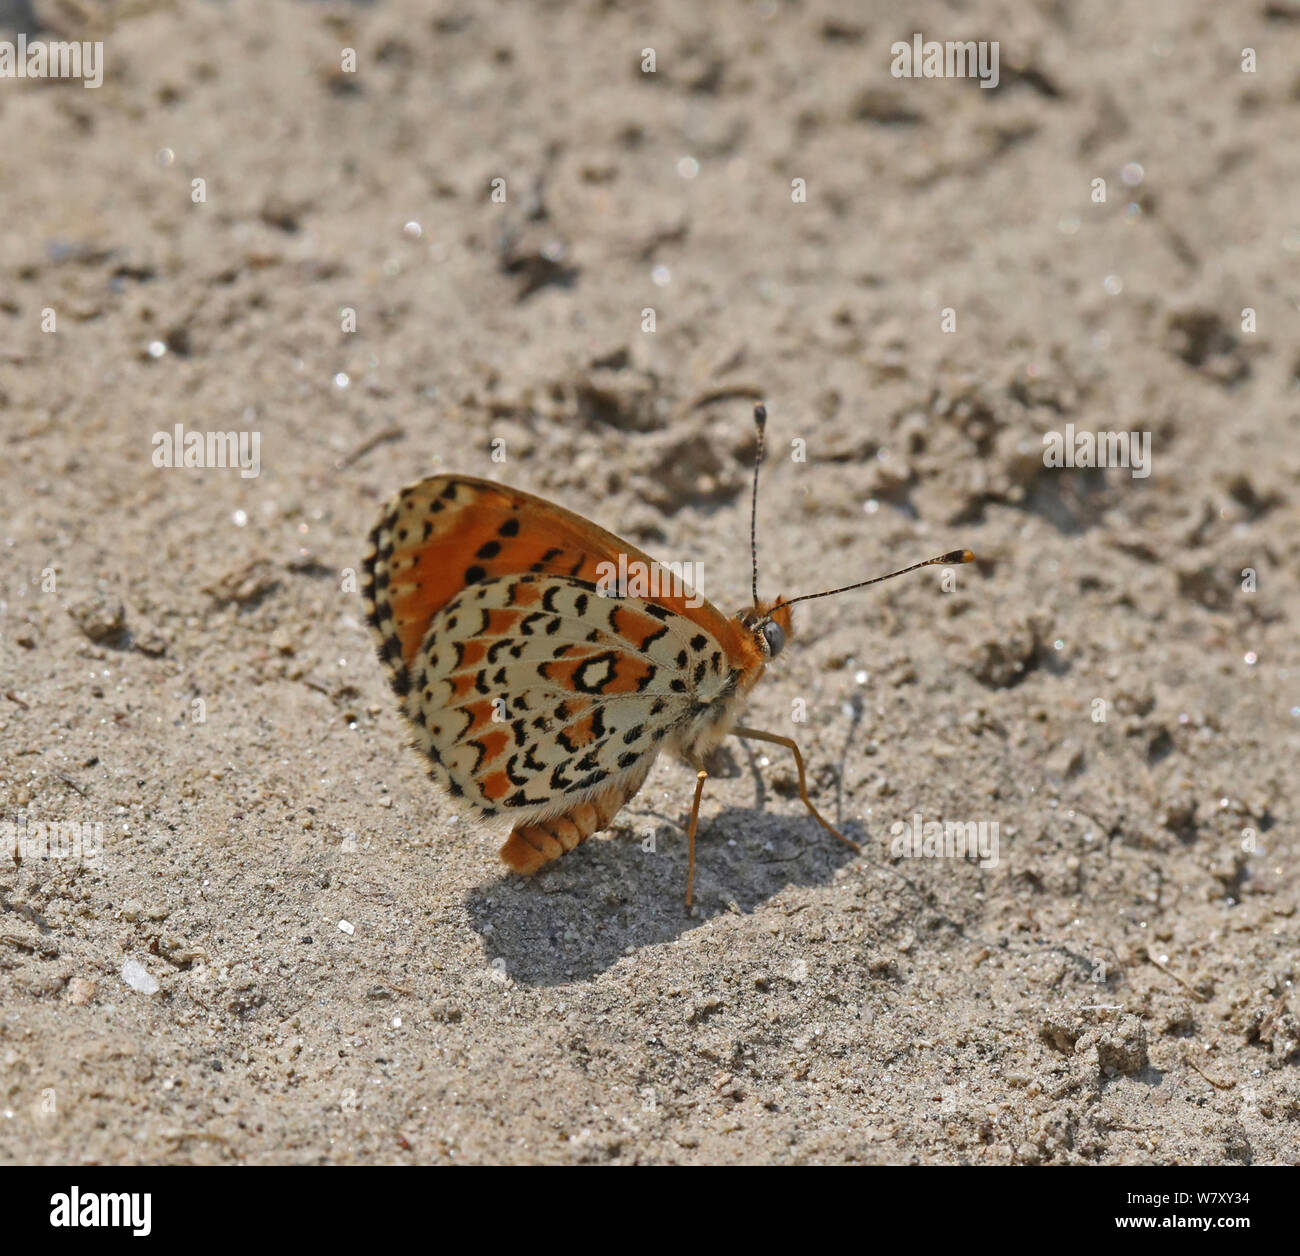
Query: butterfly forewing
(447, 532)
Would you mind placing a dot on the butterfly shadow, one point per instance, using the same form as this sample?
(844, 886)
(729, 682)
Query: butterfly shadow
(622, 892)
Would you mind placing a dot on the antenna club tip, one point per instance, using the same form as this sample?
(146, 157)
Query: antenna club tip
(966, 557)
(760, 414)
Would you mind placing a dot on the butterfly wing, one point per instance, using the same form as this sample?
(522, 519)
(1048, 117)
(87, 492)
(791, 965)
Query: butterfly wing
(527, 689)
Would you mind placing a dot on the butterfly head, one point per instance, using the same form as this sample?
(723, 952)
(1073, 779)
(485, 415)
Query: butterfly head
(770, 624)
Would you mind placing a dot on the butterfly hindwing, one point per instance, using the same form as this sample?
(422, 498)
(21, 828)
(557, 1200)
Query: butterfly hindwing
(530, 693)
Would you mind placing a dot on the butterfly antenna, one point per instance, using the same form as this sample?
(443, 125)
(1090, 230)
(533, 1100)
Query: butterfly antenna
(760, 422)
(943, 560)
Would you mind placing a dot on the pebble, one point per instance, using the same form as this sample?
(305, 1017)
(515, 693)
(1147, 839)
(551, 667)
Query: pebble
(80, 991)
(139, 978)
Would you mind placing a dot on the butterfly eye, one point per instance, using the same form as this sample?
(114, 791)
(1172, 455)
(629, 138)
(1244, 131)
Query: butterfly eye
(774, 637)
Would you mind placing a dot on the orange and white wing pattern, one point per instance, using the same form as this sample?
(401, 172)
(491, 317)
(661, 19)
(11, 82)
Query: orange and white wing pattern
(531, 693)
(528, 690)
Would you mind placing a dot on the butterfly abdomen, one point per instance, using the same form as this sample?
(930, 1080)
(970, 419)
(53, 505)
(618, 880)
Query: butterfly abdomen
(532, 846)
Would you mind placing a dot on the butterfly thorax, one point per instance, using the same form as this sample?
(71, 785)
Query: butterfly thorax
(764, 627)
(708, 723)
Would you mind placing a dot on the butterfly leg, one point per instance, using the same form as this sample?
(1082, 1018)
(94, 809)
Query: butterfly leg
(700, 777)
(754, 734)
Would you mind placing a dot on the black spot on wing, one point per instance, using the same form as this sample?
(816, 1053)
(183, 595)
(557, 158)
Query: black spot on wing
(550, 556)
(520, 799)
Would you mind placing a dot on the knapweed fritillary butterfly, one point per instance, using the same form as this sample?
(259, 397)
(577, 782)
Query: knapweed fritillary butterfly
(536, 696)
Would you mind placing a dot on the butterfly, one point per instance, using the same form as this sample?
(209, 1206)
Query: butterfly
(539, 695)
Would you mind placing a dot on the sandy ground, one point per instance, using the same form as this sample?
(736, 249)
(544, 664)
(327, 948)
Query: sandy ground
(185, 662)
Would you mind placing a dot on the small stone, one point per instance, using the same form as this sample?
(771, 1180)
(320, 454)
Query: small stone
(139, 978)
(149, 641)
(244, 585)
(80, 991)
(1121, 1048)
(100, 616)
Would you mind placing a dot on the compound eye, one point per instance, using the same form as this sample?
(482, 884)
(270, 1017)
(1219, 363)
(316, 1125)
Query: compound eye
(774, 637)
